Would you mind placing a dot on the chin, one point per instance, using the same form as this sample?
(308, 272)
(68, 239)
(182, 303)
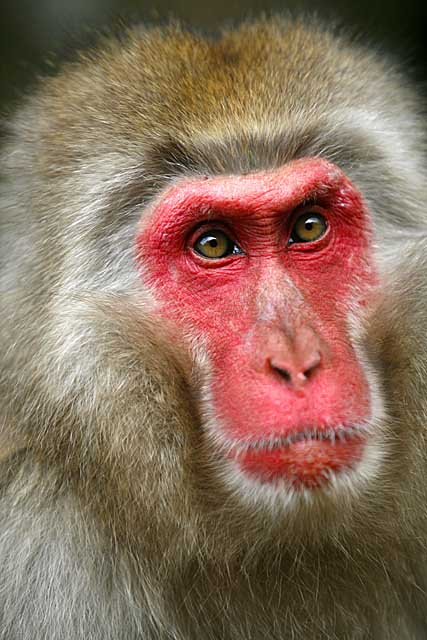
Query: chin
(307, 478)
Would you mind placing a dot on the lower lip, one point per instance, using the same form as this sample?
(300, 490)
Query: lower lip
(308, 463)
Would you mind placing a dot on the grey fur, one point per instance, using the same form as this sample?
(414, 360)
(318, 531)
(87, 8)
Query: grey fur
(113, 523)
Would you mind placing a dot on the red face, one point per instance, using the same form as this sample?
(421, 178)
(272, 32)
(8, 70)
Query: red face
(267, 268)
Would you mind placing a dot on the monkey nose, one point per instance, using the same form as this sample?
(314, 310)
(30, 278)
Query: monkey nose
(293, 355)
(294, 371)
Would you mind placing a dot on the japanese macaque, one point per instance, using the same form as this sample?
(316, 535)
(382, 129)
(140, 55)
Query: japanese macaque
(213, 344)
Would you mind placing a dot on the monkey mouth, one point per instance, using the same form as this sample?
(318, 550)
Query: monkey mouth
(307, 458)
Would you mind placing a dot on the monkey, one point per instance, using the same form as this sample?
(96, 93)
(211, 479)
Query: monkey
(213, 381)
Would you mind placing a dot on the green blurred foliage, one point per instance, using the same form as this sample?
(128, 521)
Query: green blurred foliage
(36, 34)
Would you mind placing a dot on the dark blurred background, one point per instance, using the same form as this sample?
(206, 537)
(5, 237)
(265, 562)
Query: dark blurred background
(36, 34)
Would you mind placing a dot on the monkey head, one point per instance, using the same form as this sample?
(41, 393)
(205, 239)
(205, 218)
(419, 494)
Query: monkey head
(265, 272)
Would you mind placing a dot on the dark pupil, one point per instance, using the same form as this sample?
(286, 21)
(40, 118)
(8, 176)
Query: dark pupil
(213, 243)
(309, 226)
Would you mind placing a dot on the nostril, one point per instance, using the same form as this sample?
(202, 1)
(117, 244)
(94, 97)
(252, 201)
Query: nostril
(308, 372)
(283, 373)
(312, 366)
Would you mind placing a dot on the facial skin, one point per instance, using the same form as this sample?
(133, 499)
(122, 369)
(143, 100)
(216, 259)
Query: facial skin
(290, 397)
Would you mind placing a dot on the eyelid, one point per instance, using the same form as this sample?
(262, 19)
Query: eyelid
(308, 207)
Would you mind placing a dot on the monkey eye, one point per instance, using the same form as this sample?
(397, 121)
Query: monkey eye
(215, 244)
(308, 227)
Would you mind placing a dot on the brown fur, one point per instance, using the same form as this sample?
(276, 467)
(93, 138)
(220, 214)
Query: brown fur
(114, 523)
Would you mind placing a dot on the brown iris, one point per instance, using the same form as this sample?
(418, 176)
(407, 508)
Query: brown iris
(309, 227)
(215, 244)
